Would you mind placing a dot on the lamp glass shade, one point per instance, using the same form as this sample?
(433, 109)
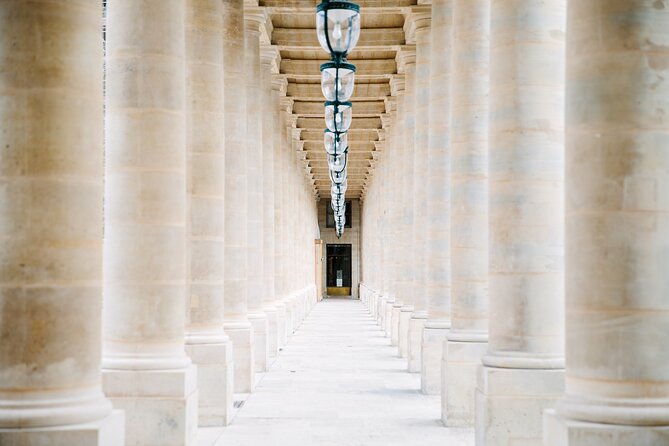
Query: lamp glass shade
(335, 143)
(338, 26)
(338, 116)
(338, 177)
(337, 163)
(337, 81)
(339, 189)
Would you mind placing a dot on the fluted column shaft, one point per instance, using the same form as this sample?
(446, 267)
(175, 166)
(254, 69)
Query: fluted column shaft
(526, 217)
(438, 277)
(392, 207)
(254, 192)
(617, 232)
(526, 185)
(236, 323)
(421, 98)
(408, 270)
(268, 135)
(438, 160)
(144, 264)
(279, 212)
(467, 340)
(206, 343)
(398, 84)
(51, 164)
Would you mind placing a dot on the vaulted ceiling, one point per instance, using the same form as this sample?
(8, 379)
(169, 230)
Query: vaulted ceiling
(291, 29)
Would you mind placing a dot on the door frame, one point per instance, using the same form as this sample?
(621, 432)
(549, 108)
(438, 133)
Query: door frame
(339, 291)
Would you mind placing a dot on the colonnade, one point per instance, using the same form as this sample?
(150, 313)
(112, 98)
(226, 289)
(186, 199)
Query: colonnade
(158, 222)
(546, 213)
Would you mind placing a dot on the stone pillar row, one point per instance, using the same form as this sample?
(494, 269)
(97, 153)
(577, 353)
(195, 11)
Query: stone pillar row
(151, 255)
(496, 220)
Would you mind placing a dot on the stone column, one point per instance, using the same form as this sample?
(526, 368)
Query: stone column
(439, 198)
(421, 98)
(467, 339)
(397, 85)
(286, 231)
(385, 194)
(51, 164)
(207, 344)
(390, 201)
(617, 379)
(145, 224)
(236, 323)
(279, 85)
(254, 183)
(286, 148)
(407, 59)
(268, 56)
(523, 371)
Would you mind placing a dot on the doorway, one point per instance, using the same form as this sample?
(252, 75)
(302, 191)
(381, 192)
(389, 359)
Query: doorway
(339, 274)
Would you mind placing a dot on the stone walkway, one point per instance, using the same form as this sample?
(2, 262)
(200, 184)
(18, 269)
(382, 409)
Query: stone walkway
(338, 383)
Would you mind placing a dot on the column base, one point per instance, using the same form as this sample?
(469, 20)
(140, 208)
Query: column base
(432, 352)
(415, 346)
(291, 315)
(281, 324)
(215, 380)
(241, 335)
(109, 431)
(395, 324)
(372, 303)
(304, 304)
(272, 331)
(461, 360)
(260, 341)
(403, 330)
(387, 319)
(510, 404)
(381, 309)
(560, 431)
(161, 406)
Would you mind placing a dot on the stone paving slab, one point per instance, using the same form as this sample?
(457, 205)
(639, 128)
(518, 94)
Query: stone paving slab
(338, 382)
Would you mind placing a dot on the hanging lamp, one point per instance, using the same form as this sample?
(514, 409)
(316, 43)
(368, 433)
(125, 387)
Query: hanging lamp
(338, 27)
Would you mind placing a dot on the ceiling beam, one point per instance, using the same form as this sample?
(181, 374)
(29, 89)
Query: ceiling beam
(306, 38)
(362, 91)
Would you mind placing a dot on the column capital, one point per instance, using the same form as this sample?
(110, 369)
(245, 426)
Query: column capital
(417, 19)
(386, 121)
(397, 84)
(270, 55)
(280, 83)
(391, 105)
(257, 20)
(287, 106)
(296, 134)
(406, 57)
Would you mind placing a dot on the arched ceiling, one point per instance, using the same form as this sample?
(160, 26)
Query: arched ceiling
(291, 29)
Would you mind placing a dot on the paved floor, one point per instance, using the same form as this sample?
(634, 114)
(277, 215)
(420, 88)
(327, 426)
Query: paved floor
(338, 383)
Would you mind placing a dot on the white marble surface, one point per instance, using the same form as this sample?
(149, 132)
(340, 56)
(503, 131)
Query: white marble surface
(338, 382)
